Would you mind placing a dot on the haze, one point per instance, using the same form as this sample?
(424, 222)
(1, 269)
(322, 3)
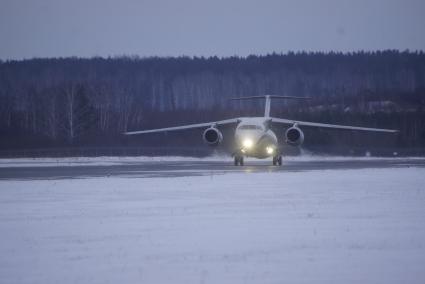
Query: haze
(58, 28)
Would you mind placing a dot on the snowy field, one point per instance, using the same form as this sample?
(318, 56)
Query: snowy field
(332, 226)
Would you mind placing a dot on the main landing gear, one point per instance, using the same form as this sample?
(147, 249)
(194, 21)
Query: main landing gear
(239, 160)
(277, 160)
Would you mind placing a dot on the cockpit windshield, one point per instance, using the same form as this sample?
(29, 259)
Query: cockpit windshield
(250, 127)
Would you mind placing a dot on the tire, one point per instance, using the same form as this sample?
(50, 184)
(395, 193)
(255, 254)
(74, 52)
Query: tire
(279, 160)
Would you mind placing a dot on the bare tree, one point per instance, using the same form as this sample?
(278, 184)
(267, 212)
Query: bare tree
(76, 111)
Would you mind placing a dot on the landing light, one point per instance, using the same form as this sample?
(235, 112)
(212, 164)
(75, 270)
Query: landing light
(247, 143)
(269, 150)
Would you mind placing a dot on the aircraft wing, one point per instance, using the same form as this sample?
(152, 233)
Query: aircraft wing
(333, 126)
(183, 127)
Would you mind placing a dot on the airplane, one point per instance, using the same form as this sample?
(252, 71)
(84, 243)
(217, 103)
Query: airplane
(253, 135)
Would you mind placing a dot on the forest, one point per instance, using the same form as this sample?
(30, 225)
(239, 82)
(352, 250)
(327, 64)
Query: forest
(90, 102)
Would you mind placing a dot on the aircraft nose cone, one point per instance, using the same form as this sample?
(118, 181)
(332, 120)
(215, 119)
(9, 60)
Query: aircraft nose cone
(248, 139)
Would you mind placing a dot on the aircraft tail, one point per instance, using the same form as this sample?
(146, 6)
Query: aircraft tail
(268, 100)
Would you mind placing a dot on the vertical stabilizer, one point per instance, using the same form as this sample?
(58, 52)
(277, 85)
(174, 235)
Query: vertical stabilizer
(267, 107)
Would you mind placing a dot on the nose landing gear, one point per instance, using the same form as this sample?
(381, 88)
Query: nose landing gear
(277, 160)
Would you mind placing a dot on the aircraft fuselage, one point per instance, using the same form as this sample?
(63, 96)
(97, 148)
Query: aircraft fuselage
(254, 138)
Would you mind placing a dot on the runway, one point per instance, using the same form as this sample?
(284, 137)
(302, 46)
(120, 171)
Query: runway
(176, 168)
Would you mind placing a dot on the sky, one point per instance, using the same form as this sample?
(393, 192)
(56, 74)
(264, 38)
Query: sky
(86, 28)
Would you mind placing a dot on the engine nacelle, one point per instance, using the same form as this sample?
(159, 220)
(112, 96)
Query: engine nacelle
(212, 136)
(294, 136)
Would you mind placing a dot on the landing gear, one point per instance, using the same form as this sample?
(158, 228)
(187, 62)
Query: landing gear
(239, 160)
(277, 160)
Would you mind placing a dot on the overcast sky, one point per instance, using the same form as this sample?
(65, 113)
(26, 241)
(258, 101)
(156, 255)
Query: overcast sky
(51, 28)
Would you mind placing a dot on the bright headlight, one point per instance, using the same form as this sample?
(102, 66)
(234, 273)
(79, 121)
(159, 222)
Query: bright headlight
(269, 150)
(247, 143)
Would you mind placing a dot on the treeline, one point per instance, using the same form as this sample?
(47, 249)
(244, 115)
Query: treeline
(90, 102)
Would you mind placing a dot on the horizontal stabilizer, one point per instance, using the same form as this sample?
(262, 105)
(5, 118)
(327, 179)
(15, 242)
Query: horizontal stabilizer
(268, 99)
(271, 97)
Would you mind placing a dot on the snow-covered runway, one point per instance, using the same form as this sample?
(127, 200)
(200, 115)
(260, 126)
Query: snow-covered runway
(135, 167)
(322, 226)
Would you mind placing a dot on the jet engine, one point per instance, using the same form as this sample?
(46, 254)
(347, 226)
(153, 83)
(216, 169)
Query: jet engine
(212, 136)
(294, 136)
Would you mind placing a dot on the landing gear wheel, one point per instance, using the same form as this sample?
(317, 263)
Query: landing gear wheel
(238, 160)
(277, 160)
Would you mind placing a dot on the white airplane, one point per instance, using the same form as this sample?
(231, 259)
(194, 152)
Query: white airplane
(253, 136)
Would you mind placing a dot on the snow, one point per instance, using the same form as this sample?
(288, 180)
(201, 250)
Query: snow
(111, 160)
(331, 226)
